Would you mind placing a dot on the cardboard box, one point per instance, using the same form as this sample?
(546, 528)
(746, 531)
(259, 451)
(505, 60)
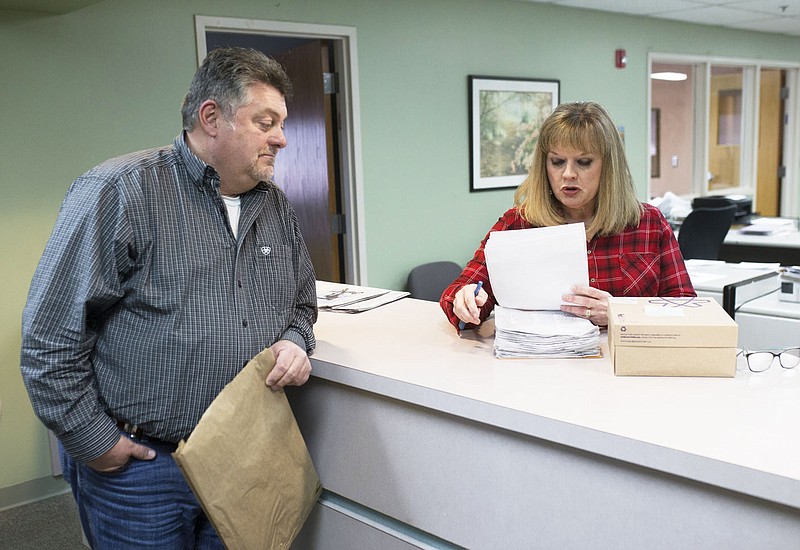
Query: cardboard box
(671, 337)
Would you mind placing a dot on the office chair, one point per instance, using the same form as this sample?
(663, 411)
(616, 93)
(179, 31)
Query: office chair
(702, 232)
(428, 281)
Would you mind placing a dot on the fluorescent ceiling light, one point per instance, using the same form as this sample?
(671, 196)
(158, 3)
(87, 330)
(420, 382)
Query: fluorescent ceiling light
(672, 77)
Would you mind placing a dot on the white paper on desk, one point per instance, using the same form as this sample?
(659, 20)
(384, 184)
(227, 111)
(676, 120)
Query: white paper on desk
(697, 262)
(371, 303)
(768, 266)
(330, 295)
(532, 268)
(769, 226)
(698, 277)
(774, 222)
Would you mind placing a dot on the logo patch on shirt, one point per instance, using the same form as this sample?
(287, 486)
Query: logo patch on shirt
(265, 250)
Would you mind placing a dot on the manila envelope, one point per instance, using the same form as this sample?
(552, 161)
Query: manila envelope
(248, 464)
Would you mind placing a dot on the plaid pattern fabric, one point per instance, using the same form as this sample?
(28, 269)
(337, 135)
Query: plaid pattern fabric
(640, 261)
(144, 304)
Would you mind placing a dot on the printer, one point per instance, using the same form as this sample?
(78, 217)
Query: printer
(743, 203)
(790, 284)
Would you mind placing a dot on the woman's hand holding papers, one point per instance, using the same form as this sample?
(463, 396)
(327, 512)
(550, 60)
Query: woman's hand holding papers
(589, 303)
(466, 304)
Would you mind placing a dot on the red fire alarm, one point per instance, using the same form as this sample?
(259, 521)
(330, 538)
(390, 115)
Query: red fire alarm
(620, 59)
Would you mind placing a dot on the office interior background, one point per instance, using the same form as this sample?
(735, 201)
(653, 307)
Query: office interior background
(96, 79)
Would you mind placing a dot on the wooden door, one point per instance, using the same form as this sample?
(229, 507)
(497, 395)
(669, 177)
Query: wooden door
(306, 168)
(770, 143)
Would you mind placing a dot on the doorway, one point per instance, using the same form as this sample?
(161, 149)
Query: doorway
(723, 129)
(318, 169)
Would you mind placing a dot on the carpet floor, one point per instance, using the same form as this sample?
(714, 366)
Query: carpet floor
(48, 524)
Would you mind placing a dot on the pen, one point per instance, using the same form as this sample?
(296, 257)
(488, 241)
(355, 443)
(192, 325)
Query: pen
(462, 324)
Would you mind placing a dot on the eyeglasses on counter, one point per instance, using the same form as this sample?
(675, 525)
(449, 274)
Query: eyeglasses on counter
(761, 360)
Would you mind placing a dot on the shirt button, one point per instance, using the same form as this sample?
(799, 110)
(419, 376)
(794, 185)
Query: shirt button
(244, 323)
(592, 279)
(589, 252)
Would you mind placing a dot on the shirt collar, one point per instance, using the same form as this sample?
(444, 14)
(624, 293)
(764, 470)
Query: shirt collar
(201, 174)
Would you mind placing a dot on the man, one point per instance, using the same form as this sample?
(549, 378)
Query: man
(168, 270)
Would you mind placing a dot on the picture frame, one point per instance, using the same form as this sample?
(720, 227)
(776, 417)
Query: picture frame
(505, 115)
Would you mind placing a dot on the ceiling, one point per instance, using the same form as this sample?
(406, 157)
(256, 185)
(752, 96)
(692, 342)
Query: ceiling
(775, 16)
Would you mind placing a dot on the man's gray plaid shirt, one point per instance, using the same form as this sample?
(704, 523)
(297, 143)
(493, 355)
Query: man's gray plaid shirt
(145, 305)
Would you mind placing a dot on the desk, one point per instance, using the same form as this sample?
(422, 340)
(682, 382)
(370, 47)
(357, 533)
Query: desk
(768, 323)
(731, 284)
(423, 439)
(783, 248)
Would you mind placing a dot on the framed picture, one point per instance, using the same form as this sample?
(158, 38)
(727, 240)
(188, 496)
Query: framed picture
(505, 117)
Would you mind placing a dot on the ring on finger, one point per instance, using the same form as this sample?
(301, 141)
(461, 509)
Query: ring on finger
(588, 312)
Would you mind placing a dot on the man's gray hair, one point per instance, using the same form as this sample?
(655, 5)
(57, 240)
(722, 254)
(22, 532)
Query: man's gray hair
(225, 77)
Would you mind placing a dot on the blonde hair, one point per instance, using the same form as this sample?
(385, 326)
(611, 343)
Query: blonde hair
(587, 127)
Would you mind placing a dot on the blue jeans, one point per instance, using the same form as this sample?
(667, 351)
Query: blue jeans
(147, 504)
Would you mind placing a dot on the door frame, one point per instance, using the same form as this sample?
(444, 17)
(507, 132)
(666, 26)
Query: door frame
(349, 123)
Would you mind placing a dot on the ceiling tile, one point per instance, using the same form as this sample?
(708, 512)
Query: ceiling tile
(776, 16)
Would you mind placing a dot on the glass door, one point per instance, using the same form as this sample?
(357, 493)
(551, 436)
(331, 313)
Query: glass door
(725, 129)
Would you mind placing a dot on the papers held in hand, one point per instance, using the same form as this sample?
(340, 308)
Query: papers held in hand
(529, 270)
(532, 268)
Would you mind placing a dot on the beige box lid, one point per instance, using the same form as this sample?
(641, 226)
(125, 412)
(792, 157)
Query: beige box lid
(670, 322)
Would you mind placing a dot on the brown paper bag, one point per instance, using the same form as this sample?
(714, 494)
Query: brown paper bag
(248, 465)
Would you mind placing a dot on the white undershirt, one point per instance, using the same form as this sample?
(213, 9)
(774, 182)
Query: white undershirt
(234, 206)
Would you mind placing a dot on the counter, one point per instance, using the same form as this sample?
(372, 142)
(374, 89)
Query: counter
(423, 439)
(783, 248)
(769, 323)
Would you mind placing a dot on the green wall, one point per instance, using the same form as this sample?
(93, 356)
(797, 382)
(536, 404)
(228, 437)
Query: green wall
(78, 88)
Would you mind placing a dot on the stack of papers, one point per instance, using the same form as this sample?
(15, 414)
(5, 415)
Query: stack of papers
(521, 333)
(769, 226)
(352, 298)
(530, 269)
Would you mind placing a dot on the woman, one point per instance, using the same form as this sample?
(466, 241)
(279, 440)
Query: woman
(580, 174)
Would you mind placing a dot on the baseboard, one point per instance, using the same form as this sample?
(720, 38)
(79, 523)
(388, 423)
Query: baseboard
(31, 491)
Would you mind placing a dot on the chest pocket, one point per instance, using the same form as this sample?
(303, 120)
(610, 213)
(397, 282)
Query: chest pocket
(641, 273)
(274, 278)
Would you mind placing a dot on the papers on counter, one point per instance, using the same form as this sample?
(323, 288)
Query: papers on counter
(706, 271)
(696, 264)
(543, 334)
(532, 268)
(529, 270)
(352, 298)
(768, 266)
